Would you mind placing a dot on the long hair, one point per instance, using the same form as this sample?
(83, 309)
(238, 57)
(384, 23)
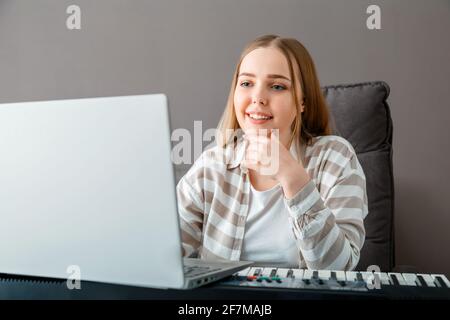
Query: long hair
(315, 119)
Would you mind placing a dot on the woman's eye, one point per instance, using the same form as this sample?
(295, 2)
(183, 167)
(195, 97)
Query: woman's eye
(278, 87)
(245, 84)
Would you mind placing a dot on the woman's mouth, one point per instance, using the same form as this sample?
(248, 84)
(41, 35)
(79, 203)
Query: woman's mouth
(258, 118)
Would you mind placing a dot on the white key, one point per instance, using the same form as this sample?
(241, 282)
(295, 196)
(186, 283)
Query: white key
(324, 274)
(428, 279)
(282, 272)
(350, 275)
(243, 273)
(384, 278)
(340, 275)
(410, 279)
(307, 274)
(298, 273)
(366, 275)
(443, 277)
(399, 276)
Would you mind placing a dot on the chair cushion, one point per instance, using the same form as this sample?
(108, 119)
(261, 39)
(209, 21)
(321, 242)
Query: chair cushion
(361, 115)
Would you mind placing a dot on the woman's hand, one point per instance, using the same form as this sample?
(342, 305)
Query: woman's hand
(269, 157)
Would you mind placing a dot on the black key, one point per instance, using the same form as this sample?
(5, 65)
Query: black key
(440, 281)
(342, 283)
(315, 275)
(359, 277)
(422, 281)
(273, 273)
(257, 272)
(290, 274)
(333, 276)
(394, 280)
(316, 278)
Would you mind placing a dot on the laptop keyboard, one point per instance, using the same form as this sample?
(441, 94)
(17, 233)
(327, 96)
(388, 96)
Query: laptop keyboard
(194, 271)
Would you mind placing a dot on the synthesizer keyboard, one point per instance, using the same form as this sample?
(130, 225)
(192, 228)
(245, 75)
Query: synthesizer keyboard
(388, 285)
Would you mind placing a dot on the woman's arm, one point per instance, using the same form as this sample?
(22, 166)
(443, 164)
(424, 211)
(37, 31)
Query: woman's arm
(190, 209)
(329, 228)
(328, 225)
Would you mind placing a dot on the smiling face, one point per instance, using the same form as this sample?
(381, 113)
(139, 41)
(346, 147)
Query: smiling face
(263, 97)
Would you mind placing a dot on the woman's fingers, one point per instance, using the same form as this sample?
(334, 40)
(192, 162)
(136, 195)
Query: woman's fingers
(249, 164)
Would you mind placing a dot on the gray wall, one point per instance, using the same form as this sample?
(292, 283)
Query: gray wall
(188, 48)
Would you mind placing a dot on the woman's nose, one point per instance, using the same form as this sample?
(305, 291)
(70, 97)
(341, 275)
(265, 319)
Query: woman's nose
(259, 100)
(259, 96)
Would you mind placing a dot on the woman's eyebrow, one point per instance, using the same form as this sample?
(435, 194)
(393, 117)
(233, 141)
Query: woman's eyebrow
(272, 76)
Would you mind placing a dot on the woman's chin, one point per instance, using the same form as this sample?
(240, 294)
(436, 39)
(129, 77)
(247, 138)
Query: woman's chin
(256, 126)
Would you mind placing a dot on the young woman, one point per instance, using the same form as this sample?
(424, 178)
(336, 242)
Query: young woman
(306, 213)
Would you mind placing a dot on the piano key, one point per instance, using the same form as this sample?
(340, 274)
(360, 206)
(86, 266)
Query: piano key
(340, 275)
(307, 274)
(333, 276)
(267, 271)
(410, 279)
(298, 273)
(315, 275)
(243, 273)
(325, 274)
(282, 272)
(397, 278)
(290, 273)
(384, 278)
(394, 280)
(441, 280)
(421, 281)
(365, 275)
(273, 273)
(370, 276)
(428, 279)
(350, 275)
(359, 277)
(254, 271)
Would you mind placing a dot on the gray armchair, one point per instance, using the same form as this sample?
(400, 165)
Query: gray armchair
(362, 116)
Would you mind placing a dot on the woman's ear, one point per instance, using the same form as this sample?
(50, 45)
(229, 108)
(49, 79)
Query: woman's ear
(302, 106)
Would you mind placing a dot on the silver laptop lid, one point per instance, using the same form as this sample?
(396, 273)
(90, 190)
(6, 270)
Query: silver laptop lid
(89, 182)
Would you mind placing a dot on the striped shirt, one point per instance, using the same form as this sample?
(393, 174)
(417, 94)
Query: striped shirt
(326, 215)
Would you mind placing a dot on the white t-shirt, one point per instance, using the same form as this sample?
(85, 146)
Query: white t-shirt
(269, 239)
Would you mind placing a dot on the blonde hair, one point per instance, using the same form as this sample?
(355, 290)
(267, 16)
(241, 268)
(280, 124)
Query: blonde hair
(314, 121)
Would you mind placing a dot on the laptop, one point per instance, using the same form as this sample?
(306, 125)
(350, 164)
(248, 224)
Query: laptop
(88, 185)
